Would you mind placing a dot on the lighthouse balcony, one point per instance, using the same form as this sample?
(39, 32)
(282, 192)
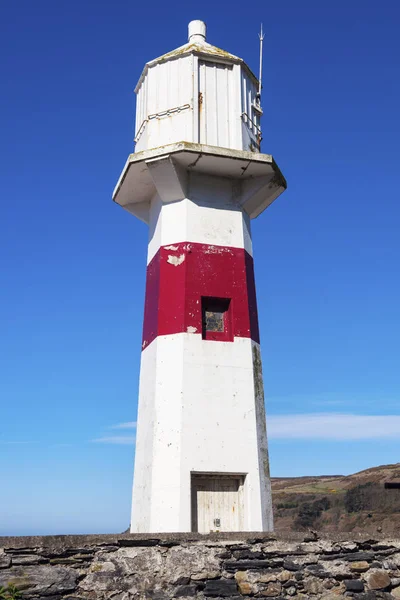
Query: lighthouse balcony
(170, 171)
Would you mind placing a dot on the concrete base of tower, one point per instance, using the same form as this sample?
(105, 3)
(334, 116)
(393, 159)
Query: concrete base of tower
(201, 455)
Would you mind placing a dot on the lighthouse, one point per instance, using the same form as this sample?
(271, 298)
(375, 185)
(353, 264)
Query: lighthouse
(197, 178)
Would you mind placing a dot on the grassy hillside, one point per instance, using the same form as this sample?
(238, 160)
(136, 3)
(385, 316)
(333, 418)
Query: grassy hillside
(356, 502)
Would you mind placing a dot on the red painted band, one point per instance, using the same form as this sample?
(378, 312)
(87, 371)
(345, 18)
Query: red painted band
(180, 275)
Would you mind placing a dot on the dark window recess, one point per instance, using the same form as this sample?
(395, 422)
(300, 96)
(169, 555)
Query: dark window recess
(216, 319)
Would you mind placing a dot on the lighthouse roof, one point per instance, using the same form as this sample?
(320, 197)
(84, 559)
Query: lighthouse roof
(202, 47)
(197, 45)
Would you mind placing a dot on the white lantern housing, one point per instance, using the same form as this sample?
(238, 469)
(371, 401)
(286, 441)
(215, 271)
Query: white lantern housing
(198, 93)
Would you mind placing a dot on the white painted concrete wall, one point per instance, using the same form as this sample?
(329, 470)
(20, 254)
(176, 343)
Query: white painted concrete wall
(208, 217)
(201, 404)
(197, 413)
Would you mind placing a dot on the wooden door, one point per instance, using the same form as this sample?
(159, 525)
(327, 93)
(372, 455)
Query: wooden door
(216, 110)
(216, 503)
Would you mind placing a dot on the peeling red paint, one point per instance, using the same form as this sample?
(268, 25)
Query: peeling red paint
(174, 291)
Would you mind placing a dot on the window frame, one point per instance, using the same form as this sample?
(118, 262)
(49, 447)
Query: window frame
(215, 304)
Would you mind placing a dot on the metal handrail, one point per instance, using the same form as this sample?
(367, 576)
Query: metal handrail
(159, 115)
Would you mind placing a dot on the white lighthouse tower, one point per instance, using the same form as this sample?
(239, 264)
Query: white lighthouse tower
(197, 178)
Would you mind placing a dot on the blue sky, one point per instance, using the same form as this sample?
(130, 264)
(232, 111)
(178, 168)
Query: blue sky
(72, 264)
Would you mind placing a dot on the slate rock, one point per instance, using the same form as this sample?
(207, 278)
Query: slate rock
(246, 554)
(377, 547)
(223, 588)
(233, 547)
(315, 567)
(315, 570)
(67, 552)
(182, 581)
(105, 548)
(289, 565)
(169, 543)
(23, 550)
(129, 543)
(243, 565)
(65, 561)
(351, 556)
(322, 574)
(354, 585)
(260, 540)
(224, 555)
(358, 556)
(185, 590)
(42, 579)
(31, 559)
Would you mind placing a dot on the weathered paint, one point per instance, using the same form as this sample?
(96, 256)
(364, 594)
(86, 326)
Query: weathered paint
(208, 217)
(263, 456)
(177, 282)
(176, 260)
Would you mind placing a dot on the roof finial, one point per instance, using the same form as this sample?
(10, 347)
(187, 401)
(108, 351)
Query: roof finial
(261, 36)
(197, 31)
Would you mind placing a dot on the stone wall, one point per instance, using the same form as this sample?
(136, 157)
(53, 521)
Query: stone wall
(136, 567)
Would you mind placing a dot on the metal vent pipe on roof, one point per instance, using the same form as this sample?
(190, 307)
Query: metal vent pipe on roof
(197, 31)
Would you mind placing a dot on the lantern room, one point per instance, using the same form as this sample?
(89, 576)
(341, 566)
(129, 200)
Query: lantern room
(198, 93)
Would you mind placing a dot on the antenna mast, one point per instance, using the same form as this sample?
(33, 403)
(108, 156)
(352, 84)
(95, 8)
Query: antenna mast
(261, 37)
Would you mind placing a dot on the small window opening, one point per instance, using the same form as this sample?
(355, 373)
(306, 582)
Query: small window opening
(216, 320)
